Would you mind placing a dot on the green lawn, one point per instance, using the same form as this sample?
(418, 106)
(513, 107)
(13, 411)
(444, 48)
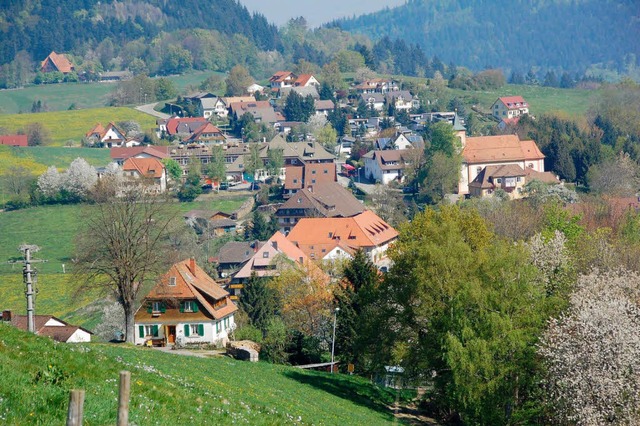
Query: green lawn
(73, 125)
(573, 102)
(166, 389)
(59, 97)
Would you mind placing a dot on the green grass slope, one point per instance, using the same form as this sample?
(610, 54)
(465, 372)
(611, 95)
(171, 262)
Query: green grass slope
(38, 158)
(573, 102)
(73, 125)
(37, 375)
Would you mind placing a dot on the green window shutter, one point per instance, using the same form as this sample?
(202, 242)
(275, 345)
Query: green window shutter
(200, 329)
(163, 308)
(141, 331)
(149, 308)
(186, 330)
(217, 326)
(154, 329)
(194, 305)
(181, 306)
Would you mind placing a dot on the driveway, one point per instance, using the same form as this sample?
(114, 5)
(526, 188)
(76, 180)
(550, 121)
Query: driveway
(148, 109)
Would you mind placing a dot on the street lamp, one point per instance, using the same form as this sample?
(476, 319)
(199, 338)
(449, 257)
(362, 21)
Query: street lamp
(333, 341)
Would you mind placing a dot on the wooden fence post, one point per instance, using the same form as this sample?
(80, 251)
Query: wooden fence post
(76, 407)
(123, 398)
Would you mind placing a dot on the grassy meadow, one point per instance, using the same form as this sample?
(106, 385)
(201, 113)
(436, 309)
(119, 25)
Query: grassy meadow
(572, 102)
(173, 389)
(59, 97)
(73, 125)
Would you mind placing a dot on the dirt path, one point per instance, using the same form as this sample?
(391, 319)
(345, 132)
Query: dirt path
(148, 109)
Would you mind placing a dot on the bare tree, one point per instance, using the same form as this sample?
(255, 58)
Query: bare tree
(123, 245)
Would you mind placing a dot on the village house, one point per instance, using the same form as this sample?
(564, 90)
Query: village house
(148, 171)
(376, 85)
(319, 237)
(511, 178)
(109, 137)
(484, 151)
(282, 79)
(402, 100)
(276, 254)
(49, 326)
(208, 107)
(262, 111)
(509, 107)
(186, 306)
(388, 165)
(215, 223)
(114, 76)
(324, 199)
(14, 140)
(324, 107)
(56, 62)
(233, 255)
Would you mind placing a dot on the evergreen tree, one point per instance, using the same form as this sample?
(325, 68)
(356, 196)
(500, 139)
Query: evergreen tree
(259, 301)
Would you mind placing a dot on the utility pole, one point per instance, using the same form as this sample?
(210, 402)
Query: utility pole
(333, 341)
(29, 276)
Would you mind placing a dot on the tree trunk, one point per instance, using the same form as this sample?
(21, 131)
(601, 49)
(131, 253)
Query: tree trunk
(129, 324)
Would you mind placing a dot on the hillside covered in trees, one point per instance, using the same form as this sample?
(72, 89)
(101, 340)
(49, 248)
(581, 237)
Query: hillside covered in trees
(40, 26)
(517, 35)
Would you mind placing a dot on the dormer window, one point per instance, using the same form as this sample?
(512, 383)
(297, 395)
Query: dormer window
(172, 281)
(189, 306)
(265, 255)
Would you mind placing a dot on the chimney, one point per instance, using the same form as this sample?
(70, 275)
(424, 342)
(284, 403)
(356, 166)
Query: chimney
(256, 243)
(274, 244)
(192, 266)
(6, 316)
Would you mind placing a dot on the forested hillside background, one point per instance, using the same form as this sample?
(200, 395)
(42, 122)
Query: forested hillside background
(549, 34)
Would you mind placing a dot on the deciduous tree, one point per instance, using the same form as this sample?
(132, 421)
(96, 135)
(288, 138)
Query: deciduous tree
(122, 246)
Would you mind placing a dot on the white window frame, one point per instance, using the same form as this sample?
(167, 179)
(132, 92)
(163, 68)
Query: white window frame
(193, 330)
(156, 306)
(148, 329)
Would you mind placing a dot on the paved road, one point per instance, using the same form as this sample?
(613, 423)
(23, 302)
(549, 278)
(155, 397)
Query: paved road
(148, 109)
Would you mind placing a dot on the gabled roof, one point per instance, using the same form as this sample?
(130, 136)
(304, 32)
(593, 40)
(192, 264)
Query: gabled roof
(184, 125)
(60, 62)
(303, 91)
(322, 105)
(303, 79)
(513, 102)
(390, 159)
(60, 330)
(301, 150)
(281, 76)
(98, 130)
(206, 129)
(328, 199)
(363, 230)
(238, 251)
(228, 100)
(123, 153)
(204, 214)
(209, 103)
(147, 167)
(488, 149)
(263, 259)
(544, 177)
(192, 282)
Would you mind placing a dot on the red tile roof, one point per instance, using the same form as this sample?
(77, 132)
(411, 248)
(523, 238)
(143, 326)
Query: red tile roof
(513, 102)
(122, 153)
(59, 333)
(173, 123)
(303, 79)
(489, 149)
(14, 140)
(59, 62)
(191, 282)
(363, 230)
(147, 167)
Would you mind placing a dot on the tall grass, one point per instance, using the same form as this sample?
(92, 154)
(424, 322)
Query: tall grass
(37, 375)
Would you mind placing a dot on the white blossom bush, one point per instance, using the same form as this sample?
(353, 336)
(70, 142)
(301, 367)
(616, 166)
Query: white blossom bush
(592, 352)
(50, 182)
(80, 177)
(112, 325)
(551, 257)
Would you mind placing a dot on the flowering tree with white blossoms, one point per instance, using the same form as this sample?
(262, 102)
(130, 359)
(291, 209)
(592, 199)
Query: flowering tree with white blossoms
(50, 182)
(80, 177)
(592, 352)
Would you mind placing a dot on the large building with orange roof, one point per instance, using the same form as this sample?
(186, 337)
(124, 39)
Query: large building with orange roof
(325, 238)
(149, 171)
(501, 150)
(509, 107)
(185, 306)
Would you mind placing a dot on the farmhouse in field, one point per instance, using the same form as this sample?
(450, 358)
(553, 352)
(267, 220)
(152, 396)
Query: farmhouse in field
(186, 306)
(56, 62)
(509, 107)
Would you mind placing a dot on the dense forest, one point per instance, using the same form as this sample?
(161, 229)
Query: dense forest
(548, 34)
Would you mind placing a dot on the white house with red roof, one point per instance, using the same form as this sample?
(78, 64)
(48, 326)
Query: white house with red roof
(185, 306)
(50, 326)
(150, 171)
(509, 107)
(482, 152)
(110, 136)
(119, 155)
(305, 80)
